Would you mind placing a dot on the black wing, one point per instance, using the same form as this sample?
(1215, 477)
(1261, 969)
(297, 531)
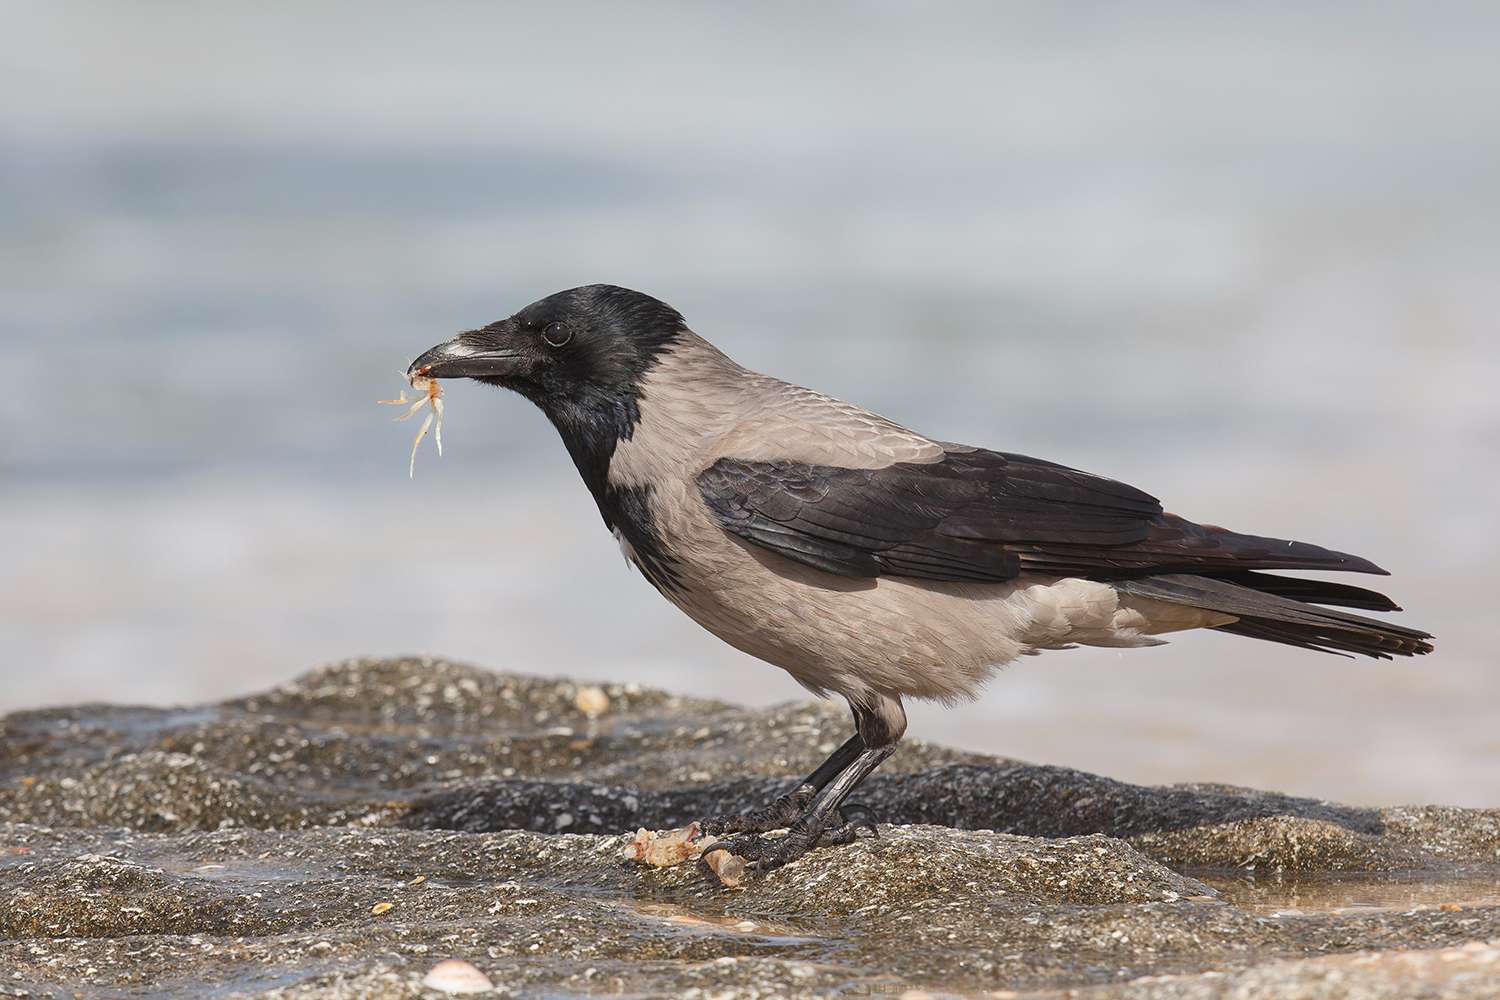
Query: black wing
(980, 516)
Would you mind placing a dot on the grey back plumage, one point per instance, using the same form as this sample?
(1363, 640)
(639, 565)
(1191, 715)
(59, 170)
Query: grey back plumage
(846, 493)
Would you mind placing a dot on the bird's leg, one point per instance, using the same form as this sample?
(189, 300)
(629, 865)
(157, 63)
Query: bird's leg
(787, 809)
(881, 726)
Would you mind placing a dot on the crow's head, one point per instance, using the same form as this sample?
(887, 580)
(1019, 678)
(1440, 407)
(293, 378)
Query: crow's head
(582, 348)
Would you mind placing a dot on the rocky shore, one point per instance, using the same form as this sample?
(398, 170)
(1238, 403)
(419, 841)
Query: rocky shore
(347, 833)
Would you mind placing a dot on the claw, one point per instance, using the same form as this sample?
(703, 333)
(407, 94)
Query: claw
(751, 849)
(725, 865)
(858, 815)
(768, 855)
(847, 833)
(806, 829)
(721, 846)
(765, 854)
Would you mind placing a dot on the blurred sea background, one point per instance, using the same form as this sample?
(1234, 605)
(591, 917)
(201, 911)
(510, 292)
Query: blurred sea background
(1246, 258)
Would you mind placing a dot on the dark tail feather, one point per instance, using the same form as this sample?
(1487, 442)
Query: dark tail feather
(1330, 640)
(1266, 609)
(1340, 595)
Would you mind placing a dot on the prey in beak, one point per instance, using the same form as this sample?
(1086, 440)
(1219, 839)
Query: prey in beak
(489, 355)
(496, 355)
(431, 399)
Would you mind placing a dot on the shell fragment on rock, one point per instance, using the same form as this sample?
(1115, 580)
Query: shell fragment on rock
(591, 701)
(457, 976)
(668, 848)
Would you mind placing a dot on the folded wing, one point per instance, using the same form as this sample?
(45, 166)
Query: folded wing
(981, 516)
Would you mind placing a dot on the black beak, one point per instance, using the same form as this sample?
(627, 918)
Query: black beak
(460, 359)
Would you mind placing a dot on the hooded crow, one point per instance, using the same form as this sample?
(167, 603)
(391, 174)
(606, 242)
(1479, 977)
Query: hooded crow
(863, 558)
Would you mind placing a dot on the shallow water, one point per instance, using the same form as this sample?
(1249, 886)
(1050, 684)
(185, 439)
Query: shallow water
(1267, 299)
(1348, 894)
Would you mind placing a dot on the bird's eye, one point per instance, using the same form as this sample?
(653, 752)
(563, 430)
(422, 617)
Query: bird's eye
(557, 335)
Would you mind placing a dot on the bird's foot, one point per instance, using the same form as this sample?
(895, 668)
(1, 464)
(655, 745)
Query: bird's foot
(779, 815)
(764, 854)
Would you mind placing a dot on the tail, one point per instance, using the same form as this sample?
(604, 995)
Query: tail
(1286, 610)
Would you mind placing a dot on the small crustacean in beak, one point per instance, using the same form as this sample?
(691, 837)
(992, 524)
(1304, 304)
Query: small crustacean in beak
(430, 400)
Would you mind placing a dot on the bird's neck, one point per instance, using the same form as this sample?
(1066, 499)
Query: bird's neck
(655, 427)
(593, 436)
(629, 443)
(592, 429)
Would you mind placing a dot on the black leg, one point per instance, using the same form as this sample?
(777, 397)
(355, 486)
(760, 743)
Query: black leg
(786, 810)
(835, 764)
(820, 823)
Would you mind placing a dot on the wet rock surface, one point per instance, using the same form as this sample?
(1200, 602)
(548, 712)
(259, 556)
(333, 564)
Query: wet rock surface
(347, 833)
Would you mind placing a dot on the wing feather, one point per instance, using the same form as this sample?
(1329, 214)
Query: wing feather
(980, 516)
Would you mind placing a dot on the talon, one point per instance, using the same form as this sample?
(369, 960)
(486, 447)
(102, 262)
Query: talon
(814, 814)
(729, 868)
(728, 846)
(847, 833)
(703, 864)
(859, 815)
